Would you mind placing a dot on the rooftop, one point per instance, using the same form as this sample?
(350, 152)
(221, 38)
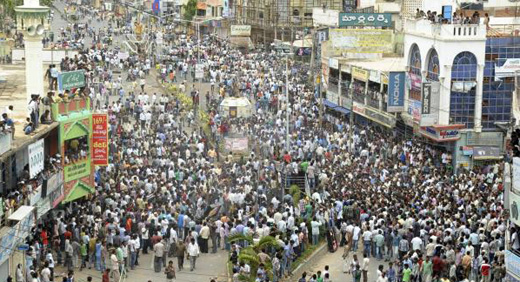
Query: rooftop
(382, 65)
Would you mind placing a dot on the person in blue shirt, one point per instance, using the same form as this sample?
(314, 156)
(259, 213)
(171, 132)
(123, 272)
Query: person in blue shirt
(180, 225)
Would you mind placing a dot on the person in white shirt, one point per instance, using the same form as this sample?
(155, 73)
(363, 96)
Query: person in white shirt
(193, 253)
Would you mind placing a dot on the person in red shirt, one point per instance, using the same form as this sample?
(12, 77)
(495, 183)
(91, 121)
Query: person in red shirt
(45, 238)
(438, 265)
(106, 276)
(67, 234)
(485, 270)
(287, 157)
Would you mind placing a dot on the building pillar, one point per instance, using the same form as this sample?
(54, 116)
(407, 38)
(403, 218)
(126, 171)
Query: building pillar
(34, 66)
(478, 98)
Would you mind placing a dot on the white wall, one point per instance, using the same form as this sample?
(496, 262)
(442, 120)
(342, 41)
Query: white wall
(48, 55)
(327, 17)
(447, 51)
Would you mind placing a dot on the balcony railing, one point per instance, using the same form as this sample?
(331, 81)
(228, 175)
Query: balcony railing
(446, 31)
(72, 105)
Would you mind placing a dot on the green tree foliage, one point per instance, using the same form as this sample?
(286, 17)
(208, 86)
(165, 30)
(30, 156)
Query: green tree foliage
(190, 10)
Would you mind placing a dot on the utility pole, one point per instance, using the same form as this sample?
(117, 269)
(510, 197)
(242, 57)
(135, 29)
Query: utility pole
(287, 133)
(313, 71)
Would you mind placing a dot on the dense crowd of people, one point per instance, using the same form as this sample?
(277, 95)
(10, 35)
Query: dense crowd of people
(170, 192)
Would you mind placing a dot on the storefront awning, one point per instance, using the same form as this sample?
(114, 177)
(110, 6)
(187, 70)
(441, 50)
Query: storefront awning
(336, 107)
(21, 213)
(486, 153)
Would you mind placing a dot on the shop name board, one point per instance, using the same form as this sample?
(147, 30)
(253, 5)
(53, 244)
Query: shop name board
(360, 74)
(77, 170)
(240, 30)
(100, 139)
(442, 134)
(508, 69)
(374, 115)
(365, 19)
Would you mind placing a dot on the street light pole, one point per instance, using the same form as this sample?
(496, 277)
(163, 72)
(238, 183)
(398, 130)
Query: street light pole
(287, 103)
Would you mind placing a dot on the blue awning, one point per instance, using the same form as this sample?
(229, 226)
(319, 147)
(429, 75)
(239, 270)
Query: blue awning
(336, 107)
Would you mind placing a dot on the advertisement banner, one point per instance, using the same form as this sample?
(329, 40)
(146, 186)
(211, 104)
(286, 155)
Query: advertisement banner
(71, 79)
(14, 236)
(442, 133)
(361, 41)
(430, 97)
(396, 92)
(516, 174)
(325, 75)
(77, 170)
(414, 109)
(100, 139)
(35, 151)
(365, 19)
(236, 144)
(240, 30)
(510, 67)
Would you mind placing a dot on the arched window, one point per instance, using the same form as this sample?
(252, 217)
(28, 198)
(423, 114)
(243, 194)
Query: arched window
(433, 66)
(415, 60)
(463, 89)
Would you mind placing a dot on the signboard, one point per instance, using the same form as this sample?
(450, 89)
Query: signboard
(447, 11)
(360, 74)
(512, 260)
(486, 153)
(36, 195)
(236, 144)
(5, 142)
(365, 19)
(71, 79)
(374, 76)
(396, 92)
(156, 6)
(429, 104)
(516, 174)
(36, 158)
(77, 170)
(361, 40)
(100, 139)
(333, 63)
(508, 69)
(325, 74)
(374, 115)
(442, 133)
(240, 30)
(56, 196)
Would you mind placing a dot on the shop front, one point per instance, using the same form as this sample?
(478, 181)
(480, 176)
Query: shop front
(365, 114)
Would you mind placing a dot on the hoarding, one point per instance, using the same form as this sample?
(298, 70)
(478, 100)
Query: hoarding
(365, 19)
(240, 30)
(429, 104)
(35, 151)
(396, 92)
(361, 40)
(100, 139)
(77, 170)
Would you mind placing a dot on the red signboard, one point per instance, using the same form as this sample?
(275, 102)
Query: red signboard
(100, 139)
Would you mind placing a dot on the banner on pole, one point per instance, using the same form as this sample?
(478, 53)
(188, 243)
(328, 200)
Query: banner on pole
(100, 139)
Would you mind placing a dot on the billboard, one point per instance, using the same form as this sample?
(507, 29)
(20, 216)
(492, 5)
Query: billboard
(396, 92)
(361, 40)
(100, 139)
(240, 30)
(365, 19)
(36, 157)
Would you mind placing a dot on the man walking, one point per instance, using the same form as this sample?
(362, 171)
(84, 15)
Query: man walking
(159, 253)
(193, 253)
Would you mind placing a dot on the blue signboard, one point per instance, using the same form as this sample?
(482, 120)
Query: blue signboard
(447, 11)
(156, 6)
(396, 83)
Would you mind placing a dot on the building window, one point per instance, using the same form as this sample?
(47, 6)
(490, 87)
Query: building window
(433, 66)
(463, 89)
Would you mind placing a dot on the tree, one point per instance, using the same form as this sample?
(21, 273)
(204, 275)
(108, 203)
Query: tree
(250, 254)
(190, 9)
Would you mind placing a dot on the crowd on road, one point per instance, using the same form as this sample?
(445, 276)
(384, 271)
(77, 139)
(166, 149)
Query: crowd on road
(169, 192)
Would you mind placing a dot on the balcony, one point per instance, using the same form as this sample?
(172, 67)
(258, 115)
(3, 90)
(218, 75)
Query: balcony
(446, 31)
(64, 108)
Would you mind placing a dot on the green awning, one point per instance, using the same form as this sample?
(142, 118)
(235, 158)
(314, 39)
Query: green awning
(79, 191)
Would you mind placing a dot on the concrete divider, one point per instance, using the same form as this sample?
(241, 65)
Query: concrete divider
(304, 266)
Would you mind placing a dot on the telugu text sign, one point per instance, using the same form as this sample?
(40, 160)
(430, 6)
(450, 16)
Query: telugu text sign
(240, 30)
(71, 79)
(100, 139)
(365, 19)
(361, 40)
(77, 170)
